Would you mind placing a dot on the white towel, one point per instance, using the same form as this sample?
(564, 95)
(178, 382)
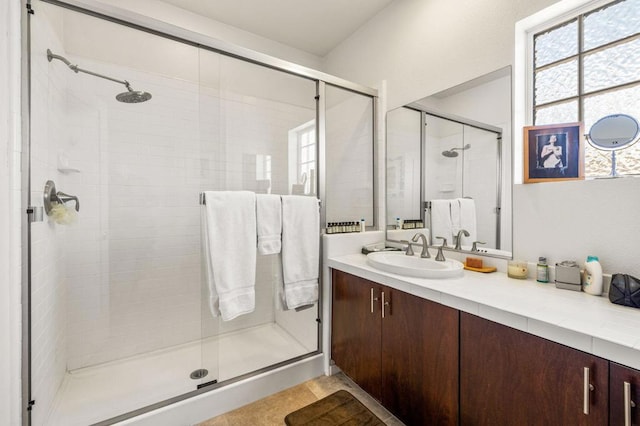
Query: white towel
(269, 219)
(300, 250)
(441, 225)
(467, 215)
(454, 207)
(230, 242)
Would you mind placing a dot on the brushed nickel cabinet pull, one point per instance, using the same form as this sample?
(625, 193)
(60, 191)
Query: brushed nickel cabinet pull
(384, 304)
(588, 387)
(373, 299)
(628, 404)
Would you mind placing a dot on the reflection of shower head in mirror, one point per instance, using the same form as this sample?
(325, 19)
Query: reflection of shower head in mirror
(452, 152)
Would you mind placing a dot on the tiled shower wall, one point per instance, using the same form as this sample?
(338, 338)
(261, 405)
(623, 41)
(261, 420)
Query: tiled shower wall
(134, 281)
(49, 303)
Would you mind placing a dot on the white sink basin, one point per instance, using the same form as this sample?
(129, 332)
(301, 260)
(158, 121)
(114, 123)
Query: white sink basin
(414, 266)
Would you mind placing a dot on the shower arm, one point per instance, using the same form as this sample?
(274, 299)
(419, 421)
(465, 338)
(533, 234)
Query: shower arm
(76, 69)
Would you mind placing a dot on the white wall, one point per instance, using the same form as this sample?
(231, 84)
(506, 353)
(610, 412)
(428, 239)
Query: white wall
(421, 47)
(10, 215)
(161, 11)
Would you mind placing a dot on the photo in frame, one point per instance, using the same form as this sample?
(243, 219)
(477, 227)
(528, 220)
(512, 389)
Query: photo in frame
(553, 152)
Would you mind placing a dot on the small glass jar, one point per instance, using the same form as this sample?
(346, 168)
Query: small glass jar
(542, 270)
(517, 269)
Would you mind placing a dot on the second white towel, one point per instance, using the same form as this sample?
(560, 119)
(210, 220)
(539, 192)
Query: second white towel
(269, 218)
(300, 250)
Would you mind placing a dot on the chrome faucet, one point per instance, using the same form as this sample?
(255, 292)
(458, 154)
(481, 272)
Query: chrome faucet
(459, 238)
(474, 247)
(425, 246)
(409, 251)
(440, 255)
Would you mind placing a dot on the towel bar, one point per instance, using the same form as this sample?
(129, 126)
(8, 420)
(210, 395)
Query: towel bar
(203, 202)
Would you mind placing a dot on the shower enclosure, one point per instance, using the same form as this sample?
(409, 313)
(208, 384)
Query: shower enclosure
(119, 318)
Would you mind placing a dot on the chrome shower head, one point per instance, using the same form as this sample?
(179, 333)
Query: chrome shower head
(130, 96)
(452, 152)
(133, 96)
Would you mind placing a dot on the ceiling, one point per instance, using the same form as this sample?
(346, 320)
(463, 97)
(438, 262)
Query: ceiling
(314, 26)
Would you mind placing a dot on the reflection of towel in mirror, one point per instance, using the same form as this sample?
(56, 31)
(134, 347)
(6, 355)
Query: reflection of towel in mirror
(441, 225)
(230, 239)
(463, 216)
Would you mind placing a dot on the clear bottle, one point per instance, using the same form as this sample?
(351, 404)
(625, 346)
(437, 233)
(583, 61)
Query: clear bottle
(542, 270)
(398, 223)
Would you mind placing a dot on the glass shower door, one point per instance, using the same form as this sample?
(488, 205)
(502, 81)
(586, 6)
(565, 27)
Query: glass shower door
(257, 133)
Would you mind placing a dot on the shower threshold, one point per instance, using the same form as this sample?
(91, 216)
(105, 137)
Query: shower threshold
(93, 394)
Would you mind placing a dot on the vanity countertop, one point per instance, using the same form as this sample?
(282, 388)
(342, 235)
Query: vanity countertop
(588, 323)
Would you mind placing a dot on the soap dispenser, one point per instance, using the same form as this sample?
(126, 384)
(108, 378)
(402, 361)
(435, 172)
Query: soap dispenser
(592, 276)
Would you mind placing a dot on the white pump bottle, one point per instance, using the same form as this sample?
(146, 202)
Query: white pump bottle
(592, 276)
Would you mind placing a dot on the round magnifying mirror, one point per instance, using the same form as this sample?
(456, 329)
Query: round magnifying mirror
(614, 132)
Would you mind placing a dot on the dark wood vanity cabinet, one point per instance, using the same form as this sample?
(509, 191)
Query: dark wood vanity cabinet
(508, 377)
(356, 335)
(401, 349)
(624, 395)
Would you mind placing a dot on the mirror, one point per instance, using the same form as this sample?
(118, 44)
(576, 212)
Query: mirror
(612, 133)
(449, 167)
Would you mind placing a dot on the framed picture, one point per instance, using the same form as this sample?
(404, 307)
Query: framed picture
(553, 152)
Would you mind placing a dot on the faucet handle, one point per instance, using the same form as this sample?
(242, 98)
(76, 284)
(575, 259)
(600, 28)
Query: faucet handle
(409, 251)
(474, 247)
(444, 241)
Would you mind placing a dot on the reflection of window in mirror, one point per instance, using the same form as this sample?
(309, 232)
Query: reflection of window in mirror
(302, 156)
(263, 173)
(585, 81)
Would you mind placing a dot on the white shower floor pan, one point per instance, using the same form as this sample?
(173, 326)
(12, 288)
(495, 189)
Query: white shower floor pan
(97, 393)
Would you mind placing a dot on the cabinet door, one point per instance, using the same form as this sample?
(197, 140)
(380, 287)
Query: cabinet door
(508, 377)
(355, 330)
(419, 360)
(622, 410)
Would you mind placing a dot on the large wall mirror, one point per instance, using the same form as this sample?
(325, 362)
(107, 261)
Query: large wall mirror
(449, 167)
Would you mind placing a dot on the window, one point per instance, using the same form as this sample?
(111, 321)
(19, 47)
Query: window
(589, 67)
(306, 147)
(302, 159)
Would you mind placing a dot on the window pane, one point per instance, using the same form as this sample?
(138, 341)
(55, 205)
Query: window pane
(557, 82)
(598, 163)
(624, 101)
(556, 44)
(612, 23)
(566, 112)
(610, 67)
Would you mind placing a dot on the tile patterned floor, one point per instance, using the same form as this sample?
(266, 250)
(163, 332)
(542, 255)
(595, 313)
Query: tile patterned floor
(273, 409)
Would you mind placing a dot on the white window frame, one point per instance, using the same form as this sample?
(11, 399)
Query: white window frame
(523, 70)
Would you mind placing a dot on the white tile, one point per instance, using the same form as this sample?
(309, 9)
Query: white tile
(618, 353)
(464, 305)
(557, 334)
(518, 322)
